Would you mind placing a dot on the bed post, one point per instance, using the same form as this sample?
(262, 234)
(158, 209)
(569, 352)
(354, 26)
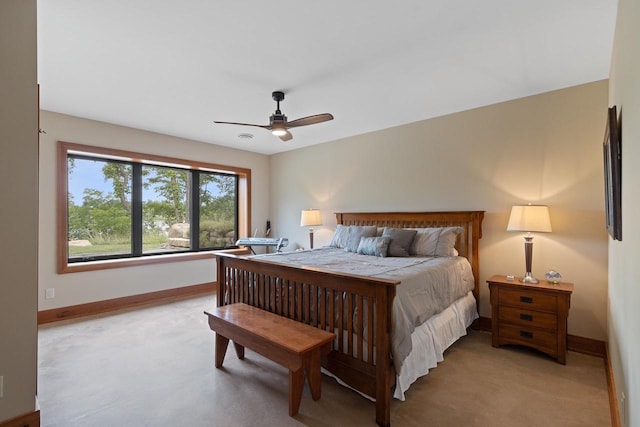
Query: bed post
(220, 280)
(384, 369)
(476, 234)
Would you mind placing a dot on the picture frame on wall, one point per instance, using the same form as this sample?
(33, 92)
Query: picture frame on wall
(612, 153)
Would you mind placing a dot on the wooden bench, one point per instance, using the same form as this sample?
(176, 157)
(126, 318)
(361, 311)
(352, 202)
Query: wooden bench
(294, 345)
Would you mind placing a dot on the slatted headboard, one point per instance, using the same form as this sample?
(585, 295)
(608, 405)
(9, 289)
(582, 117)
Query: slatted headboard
(467, 243)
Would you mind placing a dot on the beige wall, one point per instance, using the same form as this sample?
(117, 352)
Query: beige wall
(542, 149)
(78, 288)
(19, 206)
(624, 268)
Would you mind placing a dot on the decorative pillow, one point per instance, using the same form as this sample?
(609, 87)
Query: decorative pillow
(356, 232)
(401, 240)
(340, 237)
(435, 241)
(376, 246)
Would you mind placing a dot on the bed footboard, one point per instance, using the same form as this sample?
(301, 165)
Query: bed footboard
(357, 309)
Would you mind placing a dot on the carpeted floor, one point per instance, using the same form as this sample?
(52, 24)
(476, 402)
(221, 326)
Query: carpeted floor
(154, 367)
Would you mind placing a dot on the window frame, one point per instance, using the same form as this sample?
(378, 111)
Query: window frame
(66, 148)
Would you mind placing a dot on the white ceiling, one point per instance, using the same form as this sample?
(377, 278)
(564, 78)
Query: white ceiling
(175, 66)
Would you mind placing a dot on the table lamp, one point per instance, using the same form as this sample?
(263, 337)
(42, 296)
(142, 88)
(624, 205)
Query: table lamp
(310, 218)
(529, 218)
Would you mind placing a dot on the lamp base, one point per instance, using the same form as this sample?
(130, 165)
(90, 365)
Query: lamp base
(528, 278)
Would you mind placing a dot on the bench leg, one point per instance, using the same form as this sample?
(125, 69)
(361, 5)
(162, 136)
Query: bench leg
(312, 366)
(221, 349)
(239, 350)
(296, 384)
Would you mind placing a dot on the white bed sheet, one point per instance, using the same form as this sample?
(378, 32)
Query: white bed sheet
(432, 338)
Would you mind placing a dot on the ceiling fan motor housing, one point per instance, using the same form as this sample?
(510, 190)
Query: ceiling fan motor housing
(278, 119)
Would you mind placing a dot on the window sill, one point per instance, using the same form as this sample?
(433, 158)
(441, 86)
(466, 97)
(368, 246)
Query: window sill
(134, 262)
(131, 262)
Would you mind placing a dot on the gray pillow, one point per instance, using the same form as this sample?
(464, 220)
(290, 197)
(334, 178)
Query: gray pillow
(435, 241)
(401, 240)
(376, 246)
(356, 232)
(340, 237)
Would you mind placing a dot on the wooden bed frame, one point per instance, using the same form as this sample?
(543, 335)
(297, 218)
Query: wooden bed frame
(361, 355)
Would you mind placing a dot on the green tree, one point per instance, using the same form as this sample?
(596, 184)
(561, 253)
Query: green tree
(174, 186)
(217, 205)
(120, 176)
(100, 216)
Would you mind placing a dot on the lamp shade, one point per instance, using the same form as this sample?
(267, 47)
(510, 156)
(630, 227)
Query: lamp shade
(529, 218)
(310, 218)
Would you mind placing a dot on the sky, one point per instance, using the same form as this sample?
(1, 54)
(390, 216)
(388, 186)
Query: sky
(88, 174)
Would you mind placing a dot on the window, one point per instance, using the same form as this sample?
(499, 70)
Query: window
(99, 218)
(166, 210)
(119, 208)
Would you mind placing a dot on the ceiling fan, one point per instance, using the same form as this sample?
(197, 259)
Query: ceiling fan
(278, 124)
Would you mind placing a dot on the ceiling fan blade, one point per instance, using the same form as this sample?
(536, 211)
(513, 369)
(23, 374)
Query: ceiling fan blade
(244, 124)
(287, 136)
(310, 120)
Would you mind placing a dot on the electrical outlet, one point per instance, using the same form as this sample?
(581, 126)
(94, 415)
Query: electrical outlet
(49, 293)
(1, 386)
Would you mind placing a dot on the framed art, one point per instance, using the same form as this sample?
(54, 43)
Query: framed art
(612, 152)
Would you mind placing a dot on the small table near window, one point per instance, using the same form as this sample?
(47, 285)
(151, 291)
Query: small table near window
(277, 242)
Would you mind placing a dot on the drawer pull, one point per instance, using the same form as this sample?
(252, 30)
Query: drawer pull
(526, 317)
(527, 300)
(526, 334)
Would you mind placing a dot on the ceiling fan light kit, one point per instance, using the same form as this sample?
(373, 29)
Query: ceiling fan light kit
(278, 123)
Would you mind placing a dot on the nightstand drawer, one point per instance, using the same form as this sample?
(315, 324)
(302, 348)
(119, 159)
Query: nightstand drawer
(528, 300)
(528, 318)
(542, 340)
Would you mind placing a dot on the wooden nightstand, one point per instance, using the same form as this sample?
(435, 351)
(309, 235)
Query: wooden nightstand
(534, 315)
